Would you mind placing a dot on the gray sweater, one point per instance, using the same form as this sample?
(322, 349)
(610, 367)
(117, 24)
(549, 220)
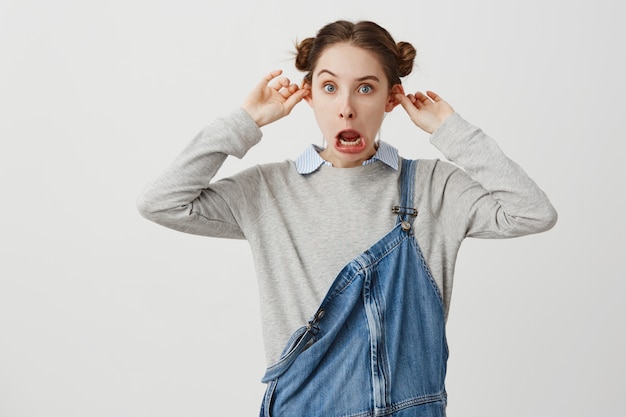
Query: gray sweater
(302, 229)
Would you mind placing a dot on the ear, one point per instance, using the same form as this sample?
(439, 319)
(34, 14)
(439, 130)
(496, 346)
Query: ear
(393, 101)
(308, 98)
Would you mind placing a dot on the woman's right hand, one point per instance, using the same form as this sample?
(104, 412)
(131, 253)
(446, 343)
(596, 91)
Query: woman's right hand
(273, 98)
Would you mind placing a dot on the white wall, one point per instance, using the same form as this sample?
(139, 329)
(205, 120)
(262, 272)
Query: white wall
(103, 313)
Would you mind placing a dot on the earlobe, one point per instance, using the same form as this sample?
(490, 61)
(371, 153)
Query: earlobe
(308, 99)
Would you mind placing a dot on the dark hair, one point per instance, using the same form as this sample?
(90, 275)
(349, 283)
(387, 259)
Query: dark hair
(395, 58)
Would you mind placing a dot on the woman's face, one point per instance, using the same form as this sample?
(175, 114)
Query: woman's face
(349, 96)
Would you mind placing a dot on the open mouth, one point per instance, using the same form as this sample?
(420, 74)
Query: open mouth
(350, 140)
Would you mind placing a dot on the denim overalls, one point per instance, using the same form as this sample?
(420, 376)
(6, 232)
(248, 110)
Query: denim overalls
(376, 345)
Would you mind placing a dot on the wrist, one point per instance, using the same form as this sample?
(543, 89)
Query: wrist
(254, 115)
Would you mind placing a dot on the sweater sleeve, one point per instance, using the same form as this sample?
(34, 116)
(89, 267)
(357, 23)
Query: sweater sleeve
(492, 196)
(183, 197)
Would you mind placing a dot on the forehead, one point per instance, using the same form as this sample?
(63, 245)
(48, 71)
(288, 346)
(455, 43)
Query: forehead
(349, 61)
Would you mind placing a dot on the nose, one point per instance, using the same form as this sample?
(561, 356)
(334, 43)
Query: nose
(346, 111)
(346, 115)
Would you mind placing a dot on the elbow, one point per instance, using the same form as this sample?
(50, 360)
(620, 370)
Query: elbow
(539, 220)
(548, 219)
(554, 217)
(146, 208)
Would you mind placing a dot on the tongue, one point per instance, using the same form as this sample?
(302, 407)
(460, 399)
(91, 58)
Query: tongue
(349, 135)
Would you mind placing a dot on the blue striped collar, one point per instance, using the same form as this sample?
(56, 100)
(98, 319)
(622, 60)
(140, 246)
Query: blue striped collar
(310, 160)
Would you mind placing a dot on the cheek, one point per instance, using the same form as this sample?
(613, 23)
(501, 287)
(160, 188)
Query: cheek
(373, 111)
(323, 117)
(374, 117)
(323, 110)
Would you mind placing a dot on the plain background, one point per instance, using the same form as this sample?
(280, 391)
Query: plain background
(103, 313)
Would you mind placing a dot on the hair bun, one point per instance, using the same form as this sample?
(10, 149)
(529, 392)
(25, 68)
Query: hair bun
(406, 58)
(303, 51)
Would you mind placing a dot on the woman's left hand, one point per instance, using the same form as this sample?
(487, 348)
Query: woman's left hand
(427, 111)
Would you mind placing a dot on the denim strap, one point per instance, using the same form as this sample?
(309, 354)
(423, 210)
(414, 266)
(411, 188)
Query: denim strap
(406, 211)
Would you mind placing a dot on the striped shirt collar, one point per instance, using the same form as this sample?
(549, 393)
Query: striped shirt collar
(310, 160)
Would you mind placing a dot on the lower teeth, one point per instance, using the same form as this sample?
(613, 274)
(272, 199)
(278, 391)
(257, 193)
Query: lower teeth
(350, 142)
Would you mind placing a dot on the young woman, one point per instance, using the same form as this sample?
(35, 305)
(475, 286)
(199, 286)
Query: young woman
(354, 246)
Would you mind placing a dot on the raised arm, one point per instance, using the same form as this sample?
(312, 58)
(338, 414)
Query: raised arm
(184, 197)
(491, 196)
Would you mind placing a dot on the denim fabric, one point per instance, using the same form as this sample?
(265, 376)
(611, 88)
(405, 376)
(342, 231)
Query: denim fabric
(376, 346)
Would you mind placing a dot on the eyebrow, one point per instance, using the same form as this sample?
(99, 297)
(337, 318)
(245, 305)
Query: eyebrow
(364, 78)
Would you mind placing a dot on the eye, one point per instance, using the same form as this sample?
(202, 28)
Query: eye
(365, 89)
(329, 88)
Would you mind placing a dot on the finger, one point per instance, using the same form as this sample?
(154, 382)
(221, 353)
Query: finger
(293, 88)
(288, 90)
(278, 83)
(295, 98)
(421, 100)
(422, 97)
(269, 77)
(408, 104)
(433, 96)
